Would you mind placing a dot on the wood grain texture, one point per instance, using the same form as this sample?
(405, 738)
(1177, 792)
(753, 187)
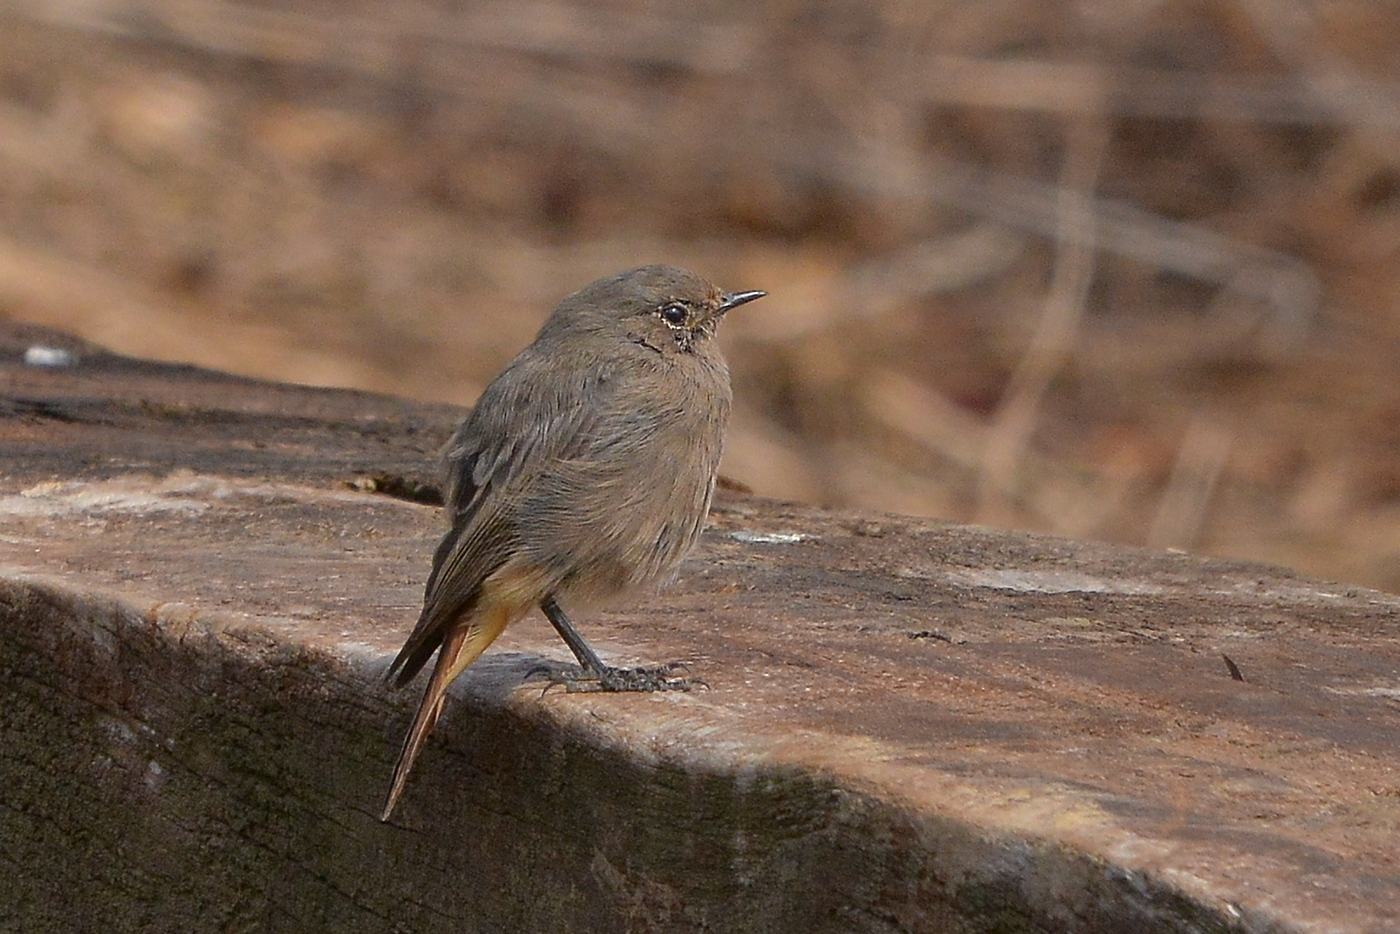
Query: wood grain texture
(910, 725)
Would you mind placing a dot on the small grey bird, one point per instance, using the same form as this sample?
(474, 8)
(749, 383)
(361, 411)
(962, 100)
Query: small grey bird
(585, 470)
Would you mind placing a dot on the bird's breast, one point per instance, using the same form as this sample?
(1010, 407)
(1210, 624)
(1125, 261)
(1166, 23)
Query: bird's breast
(627, 509)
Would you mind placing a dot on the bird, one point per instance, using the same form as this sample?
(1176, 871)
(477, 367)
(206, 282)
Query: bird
(584, 471)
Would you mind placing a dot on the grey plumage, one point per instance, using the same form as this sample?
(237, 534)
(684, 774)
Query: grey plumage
(585, 470)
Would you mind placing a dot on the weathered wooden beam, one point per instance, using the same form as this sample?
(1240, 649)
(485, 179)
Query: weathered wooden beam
(910, 725)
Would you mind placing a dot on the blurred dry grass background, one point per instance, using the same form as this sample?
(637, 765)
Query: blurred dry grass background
(1114, 268)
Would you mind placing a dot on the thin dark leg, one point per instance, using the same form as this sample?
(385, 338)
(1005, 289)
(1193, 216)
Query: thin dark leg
(582, 650)
(593, 675)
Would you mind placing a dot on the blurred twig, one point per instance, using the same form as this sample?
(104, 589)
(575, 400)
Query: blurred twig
(376, 44)
(925, 417)
(1014, 420)
(956, 261)
(1082, 88)
(1284, 283)
(1071, 500)
(1182, 509)
(1364, 105)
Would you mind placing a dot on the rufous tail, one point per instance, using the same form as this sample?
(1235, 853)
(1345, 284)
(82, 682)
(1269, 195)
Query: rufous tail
(462, 645)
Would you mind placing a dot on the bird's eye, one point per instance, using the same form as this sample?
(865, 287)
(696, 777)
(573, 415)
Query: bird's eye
(674, 313)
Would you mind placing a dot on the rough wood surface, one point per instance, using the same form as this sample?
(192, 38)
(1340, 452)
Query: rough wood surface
(910, 726)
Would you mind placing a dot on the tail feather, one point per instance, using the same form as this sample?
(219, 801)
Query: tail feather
(463, 644)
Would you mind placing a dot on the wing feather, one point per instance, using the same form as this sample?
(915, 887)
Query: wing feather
(489, 459)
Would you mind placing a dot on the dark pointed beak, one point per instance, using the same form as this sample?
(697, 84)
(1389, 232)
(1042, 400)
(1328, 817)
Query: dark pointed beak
(735, 299)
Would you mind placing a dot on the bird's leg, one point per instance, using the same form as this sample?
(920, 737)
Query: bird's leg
(582, 650)
(593, 675)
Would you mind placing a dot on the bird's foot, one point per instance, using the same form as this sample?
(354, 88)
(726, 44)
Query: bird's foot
(576, 679)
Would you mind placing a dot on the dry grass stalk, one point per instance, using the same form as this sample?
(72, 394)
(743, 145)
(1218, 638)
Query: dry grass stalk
(1183, 507)
(1014, 421)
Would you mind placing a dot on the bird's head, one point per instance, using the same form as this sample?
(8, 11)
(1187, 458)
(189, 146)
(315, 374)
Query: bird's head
(663, 308)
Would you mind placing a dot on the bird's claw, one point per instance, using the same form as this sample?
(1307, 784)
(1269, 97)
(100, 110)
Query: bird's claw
(578, 680)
